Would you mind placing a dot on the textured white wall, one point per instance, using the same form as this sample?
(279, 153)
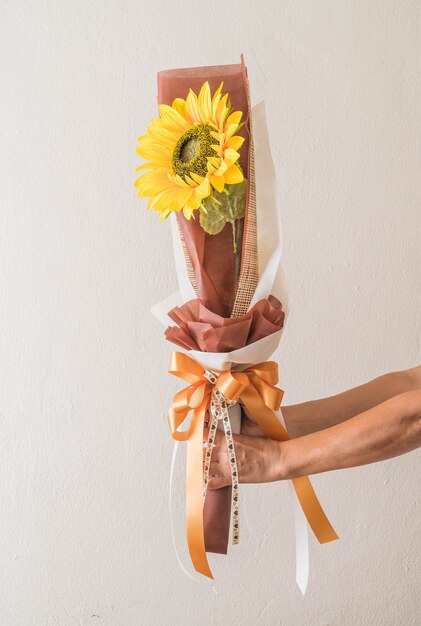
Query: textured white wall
(84, 444)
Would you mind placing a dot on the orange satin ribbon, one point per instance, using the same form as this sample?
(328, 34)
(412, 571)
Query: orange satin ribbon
(256, 388)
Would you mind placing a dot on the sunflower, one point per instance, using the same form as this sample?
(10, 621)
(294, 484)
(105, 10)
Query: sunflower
(191, 150)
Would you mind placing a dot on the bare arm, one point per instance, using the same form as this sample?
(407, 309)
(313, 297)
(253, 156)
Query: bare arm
(384, 431)
(309, 417)
(389, 429)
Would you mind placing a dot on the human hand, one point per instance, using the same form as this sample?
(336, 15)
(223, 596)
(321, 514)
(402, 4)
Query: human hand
(259, 460)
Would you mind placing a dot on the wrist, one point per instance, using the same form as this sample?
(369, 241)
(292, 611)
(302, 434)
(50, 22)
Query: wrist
(293, 458)
(280, 460)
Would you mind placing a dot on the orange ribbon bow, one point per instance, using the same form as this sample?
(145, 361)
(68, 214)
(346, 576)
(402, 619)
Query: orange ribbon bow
(256, 389)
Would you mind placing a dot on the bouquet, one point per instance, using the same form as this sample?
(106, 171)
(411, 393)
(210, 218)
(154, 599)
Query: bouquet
(200, 171)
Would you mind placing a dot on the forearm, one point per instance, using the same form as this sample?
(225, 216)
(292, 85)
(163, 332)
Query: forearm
(390, 428)
(309, 417)
(387, 430)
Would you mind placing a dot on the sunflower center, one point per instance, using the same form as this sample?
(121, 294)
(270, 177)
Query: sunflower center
(192, 150)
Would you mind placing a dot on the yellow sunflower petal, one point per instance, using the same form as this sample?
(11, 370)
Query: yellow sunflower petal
(217, 182)
(204, 102)
(230, 130)
(223, 167)
(216, 135)
(215, 104)
(144, 166)
(152, 181)
(221, 112)
(192, 107)
(194, 202)
(187, 212)
(163, 200)
(197, 179)
(179, 104)
(163, 135)
(211, 168)
(153, 152)
(164, 214)
(235, 142)
(173, 117)
(233, 175)
(189, 182)
(181, 182)
(204, 189)
(214, 161)
(217, 92)
(218, 149)
(234, 118)
(184, 196)
(230, 156)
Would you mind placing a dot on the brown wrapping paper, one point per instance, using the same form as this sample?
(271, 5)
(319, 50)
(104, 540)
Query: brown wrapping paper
(214, 262)
(200, 329)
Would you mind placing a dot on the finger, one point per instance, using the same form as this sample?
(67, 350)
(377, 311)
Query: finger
(217, 482)
(216, 468)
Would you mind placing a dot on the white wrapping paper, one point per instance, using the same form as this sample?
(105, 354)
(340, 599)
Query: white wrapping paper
(271, 281)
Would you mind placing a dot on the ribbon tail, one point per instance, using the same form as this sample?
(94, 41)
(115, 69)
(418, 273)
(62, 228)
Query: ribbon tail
(310, 504)
(177, 554)
(194, 487)
(313, 510)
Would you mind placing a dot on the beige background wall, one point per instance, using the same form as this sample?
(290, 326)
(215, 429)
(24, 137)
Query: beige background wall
(84, 446)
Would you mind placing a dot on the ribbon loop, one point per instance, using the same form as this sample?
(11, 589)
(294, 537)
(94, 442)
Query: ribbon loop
(232, 385)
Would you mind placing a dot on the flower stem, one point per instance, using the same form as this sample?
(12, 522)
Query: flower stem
(234, 236)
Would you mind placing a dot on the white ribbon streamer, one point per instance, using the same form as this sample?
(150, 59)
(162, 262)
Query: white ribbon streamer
(302, 563)
(219, 410)
(173, 459)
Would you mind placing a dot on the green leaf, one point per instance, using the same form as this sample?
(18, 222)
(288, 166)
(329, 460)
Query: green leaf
(237, 195)
(210, 220)
(222, 207)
